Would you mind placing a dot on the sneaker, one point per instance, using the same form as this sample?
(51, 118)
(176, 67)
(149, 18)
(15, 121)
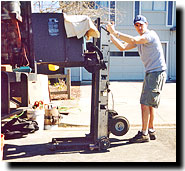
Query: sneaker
(139, 138)
(152, 135)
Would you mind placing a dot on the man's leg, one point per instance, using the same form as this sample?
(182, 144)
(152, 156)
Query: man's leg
(142, 136)
(145, 110)
(151, 129)
(147, 117)
(151, 120)
(151, 83)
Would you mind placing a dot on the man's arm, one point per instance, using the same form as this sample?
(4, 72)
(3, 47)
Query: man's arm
(130, 39)
(121, 46)
(125, 37)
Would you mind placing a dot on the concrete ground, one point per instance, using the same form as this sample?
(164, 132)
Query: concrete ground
(34, 148)
(125, 101)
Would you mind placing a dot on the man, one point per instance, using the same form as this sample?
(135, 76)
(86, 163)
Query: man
(151, 53)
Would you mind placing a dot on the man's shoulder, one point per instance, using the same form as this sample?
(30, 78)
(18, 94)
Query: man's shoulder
(152, 32)
(151, 35)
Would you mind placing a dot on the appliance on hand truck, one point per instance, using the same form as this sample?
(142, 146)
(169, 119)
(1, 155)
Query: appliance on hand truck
(68, 52)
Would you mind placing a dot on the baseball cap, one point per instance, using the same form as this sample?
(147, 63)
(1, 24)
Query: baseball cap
(140, 19)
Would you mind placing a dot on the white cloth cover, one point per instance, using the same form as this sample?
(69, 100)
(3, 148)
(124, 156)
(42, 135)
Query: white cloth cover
(80, 25)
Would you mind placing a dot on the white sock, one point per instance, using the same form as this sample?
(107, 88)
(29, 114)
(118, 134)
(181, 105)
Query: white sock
(151, 129)
(145, 132)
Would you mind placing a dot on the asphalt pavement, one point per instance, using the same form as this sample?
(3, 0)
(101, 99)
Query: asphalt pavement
(34, 148)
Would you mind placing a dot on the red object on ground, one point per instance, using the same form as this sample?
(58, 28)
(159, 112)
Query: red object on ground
(36, 104)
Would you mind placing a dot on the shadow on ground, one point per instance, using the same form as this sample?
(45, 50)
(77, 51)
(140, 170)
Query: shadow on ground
(12, 151)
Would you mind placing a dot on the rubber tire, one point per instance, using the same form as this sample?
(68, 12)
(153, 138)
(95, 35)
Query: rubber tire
(113, 123)
(104, 143)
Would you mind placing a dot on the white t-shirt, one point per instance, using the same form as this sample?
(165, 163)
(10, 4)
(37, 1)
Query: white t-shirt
(151, 53)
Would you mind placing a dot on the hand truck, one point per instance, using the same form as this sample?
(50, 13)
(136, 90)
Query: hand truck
(103, 120)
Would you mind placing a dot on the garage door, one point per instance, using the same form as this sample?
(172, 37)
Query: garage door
(128, 65)
(86, 76)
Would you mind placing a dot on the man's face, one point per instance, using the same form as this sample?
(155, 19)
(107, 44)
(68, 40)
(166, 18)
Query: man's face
(141, 28)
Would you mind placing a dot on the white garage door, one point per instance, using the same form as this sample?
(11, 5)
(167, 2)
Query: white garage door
(126, 68)
(125, 65)
(128, 65)
(86, 76)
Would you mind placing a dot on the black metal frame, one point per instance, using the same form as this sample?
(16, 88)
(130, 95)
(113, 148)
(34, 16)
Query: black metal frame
(92, 137)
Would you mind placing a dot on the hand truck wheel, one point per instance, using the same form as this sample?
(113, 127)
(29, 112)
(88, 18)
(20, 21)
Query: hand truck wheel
(119, 125)
(104, 143)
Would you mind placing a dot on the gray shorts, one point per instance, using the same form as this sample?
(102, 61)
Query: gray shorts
(152, 87)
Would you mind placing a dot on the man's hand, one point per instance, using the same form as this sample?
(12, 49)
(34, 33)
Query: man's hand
(110, 28)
